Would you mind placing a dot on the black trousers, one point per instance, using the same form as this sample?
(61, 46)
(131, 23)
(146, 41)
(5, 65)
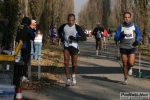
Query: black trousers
(25, 54)
(21, 70)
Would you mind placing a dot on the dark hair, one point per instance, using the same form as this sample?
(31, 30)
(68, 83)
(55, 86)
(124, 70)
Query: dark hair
(126, 13)
(26, 20)
(71, 15)
(38, 28)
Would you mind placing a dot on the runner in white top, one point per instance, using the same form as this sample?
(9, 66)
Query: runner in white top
(70, 34)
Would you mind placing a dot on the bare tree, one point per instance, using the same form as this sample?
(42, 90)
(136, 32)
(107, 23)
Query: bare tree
(93, 12)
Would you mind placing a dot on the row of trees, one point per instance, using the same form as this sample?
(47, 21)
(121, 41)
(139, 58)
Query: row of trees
(109, 13)
(54, 12)
(140, 10)
(94, 11)
(47, 13)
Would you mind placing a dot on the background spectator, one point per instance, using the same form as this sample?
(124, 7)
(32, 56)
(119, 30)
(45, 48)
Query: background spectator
(33, 26)
(3, 25)
(53, 34)
(25, 33)
(38, 41)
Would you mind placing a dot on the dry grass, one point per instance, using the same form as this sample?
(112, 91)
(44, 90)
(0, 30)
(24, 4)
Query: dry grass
(51, 62)
(145, 51)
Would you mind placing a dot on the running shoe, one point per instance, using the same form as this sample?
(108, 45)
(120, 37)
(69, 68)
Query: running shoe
(99, 52)
(96, 52)
(125, 82)
(74, 79)
(25, 79)
(78, 51)
(68, 82)
(129, 70)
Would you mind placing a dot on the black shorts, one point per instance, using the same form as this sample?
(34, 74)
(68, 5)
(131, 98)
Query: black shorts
(72, 50)
(127, 51)
(97, 39)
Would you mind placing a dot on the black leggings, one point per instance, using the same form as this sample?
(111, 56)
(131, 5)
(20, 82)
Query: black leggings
(21, 70)
(25, 54)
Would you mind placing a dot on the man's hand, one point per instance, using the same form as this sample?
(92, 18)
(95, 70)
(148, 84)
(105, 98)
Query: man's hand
(123, 35)
(135, 43)
(72, 37)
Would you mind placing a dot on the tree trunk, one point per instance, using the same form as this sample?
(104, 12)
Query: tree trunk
(26, 7)
(144, 13)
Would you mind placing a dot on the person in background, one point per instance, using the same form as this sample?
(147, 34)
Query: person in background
(3, 24)
(33, 26)
(49, 36)
(98, 33)
(38, 41)
(25, 33)
(53, 34)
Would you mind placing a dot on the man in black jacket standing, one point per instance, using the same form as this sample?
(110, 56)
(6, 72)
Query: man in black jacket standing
(70, 34)
(25, 33)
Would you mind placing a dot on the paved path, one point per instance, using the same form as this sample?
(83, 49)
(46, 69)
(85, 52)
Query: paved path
(98, 78)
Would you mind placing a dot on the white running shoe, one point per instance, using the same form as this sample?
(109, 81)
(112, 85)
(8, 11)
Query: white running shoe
(78, 51)
(25, 79)
(99, 52)
(74, 79)
(130, 71)
(96, 52)
(125, 82)
(68, 82)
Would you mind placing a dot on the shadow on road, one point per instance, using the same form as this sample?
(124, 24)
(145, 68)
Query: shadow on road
(99, 78)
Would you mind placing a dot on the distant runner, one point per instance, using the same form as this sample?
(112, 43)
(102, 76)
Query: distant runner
(98, 31)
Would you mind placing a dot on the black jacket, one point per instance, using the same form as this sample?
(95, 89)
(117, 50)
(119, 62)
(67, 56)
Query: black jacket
(23, 32)
(96, 30)
(2, 32)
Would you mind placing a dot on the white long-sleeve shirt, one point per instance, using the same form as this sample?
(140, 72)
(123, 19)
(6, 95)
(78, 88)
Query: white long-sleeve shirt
(38, 38)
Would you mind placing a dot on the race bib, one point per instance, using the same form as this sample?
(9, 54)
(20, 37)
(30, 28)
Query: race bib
(73, 43)
(129, 34)
(98, 34)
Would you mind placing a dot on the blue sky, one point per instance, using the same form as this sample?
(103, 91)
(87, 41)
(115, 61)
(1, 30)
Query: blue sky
(78, 4)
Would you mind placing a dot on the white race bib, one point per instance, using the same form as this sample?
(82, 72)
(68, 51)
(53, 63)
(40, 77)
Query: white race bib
(98, 34)
(129, 34)
(71, 43)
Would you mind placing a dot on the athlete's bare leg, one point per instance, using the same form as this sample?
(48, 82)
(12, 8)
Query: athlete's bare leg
(74, 63)
(66, 63)
(97, 44)
(100, 44)
(131, 60)
(125, 65)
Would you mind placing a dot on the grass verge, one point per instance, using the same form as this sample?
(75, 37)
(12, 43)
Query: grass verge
(51, 66)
